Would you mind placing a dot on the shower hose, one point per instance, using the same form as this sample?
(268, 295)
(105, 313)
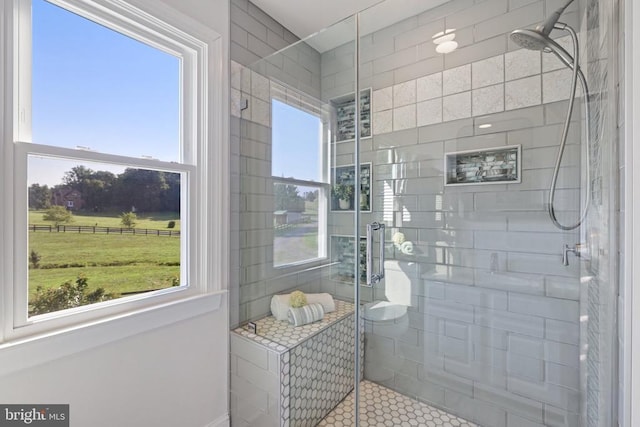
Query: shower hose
(576, 75)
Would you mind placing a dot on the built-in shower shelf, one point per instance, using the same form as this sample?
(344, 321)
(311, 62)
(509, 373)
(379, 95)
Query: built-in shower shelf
(344, 116)
(497, 165)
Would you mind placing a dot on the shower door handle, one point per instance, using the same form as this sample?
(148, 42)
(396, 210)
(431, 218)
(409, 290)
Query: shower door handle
(373, 278)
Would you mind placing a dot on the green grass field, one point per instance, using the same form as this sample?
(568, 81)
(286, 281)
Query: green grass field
(118, 263)
(154, 220)
(118, 280)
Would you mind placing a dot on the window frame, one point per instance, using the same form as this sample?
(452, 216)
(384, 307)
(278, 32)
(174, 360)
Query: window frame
(204, 126)
(323, 185)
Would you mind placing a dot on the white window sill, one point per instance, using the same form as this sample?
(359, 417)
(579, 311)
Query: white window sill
(25, 353)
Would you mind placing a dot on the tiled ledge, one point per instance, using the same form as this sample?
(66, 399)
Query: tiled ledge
(280, 336)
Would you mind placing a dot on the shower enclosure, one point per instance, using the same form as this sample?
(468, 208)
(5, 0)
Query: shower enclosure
(415, 185)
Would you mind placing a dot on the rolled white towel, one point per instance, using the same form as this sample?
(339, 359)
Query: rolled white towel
(304, 315)
(406, 248)
(280, 304)
(325, 299)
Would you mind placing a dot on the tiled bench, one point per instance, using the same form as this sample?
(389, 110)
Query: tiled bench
(292, 376)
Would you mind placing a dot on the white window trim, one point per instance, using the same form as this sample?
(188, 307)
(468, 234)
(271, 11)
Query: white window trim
(209, 247)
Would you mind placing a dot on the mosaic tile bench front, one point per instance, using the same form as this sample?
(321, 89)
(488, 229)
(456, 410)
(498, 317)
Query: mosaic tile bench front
(292, 376)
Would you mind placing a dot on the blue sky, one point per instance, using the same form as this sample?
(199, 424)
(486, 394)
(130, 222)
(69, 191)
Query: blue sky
(97, 88)
(295, 138)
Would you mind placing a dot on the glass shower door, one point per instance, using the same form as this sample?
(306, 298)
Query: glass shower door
(477, 319)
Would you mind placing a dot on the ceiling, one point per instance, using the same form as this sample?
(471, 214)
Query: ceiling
(307, 17)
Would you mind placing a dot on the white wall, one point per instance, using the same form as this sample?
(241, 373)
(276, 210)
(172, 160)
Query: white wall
(171, 376)
(212, 13)
(175, 375)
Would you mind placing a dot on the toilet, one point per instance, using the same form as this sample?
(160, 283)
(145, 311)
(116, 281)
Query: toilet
(385, 321)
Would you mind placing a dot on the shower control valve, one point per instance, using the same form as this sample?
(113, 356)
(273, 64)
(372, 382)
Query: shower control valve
(576, 250)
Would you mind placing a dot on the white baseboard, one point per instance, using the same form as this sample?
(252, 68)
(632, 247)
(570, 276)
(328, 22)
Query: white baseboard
(222, 421)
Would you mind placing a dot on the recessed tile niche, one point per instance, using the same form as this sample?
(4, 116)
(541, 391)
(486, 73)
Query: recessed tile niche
(345, 113)
(495, 165)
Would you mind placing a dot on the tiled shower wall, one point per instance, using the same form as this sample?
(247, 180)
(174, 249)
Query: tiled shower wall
(255, 35)
(494, 319)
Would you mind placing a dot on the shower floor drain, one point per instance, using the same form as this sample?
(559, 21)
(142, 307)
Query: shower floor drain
(384, 407)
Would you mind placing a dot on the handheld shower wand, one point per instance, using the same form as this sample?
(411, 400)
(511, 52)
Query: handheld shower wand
(538, 39)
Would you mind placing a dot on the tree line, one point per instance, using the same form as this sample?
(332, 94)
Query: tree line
(103, 191)
(288, 197)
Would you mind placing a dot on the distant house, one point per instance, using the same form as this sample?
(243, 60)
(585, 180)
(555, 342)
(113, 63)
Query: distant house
(286, 217)
(67, 197)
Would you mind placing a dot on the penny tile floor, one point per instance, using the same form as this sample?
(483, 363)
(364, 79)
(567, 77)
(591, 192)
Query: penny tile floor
(383, 407)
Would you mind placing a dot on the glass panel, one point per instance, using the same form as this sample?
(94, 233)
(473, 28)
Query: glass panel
(297, 143)
(287, 150)
(94, 88)
(99, 232)
(343, 189)
(344, 122)
(295, 222)
(344, 259)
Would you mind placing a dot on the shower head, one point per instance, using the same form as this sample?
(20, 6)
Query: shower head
(539, 39)
(536, 40)
(530, 39)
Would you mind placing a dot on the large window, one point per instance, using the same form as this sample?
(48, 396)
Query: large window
(299, 185)
(109, 173)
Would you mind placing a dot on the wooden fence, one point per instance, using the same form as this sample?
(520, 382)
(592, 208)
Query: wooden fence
(101, 230)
